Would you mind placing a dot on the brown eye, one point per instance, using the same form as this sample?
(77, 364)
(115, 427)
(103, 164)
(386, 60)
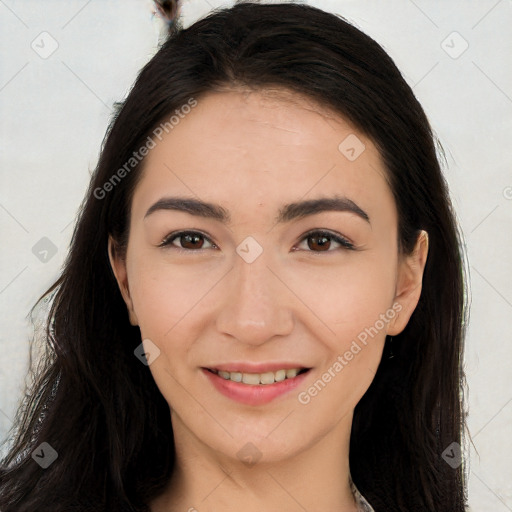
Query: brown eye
(188, 240)
(321, 241)
(193, 241)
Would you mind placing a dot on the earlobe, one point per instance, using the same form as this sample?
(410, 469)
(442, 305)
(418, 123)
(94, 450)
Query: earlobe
(118, 265)
(409, 284)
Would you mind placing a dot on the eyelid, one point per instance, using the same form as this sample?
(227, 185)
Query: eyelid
(167, 241)
(340, 239)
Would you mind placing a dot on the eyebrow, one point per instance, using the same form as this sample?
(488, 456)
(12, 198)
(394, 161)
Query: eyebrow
(287, 213)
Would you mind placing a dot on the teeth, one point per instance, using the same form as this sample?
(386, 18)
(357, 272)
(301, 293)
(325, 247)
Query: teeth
(251, 378)
(280, 375)
(254, 379)
(236, 376)
(266, 378)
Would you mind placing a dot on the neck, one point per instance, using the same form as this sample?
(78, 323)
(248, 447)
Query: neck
(315, 479)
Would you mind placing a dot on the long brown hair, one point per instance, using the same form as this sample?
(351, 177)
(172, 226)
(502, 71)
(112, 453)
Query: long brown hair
(101, 410)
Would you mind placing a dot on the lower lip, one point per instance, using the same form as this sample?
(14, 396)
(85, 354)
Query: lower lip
(253, 394)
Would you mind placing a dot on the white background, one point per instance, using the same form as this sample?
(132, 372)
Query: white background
(54, 112)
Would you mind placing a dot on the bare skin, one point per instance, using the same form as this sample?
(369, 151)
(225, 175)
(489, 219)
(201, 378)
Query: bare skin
(303, 300)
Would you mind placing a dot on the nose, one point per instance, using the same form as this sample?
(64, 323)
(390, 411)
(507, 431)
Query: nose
(256, 306)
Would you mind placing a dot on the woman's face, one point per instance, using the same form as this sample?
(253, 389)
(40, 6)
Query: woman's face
(289, 261)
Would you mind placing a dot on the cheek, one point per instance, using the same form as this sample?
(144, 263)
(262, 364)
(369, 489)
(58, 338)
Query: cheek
(348, 297)
(356, 305)
(164, 294)
(165, 299)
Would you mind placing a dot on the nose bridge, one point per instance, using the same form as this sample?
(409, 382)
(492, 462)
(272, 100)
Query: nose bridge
(256, 306)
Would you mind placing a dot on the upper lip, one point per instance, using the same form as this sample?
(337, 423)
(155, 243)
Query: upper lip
(245, 367)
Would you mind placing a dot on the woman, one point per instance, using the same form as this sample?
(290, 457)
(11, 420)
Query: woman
(263, 303)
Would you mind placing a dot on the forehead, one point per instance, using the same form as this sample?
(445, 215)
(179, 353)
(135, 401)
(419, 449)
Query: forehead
(261, 147)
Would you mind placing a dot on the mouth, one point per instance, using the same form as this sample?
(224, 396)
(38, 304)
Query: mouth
(243, 384)
(259, 379)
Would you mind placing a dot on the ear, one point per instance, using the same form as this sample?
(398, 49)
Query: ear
(408, 287)
(118, 264)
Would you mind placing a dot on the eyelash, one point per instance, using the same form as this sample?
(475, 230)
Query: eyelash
(345, 244)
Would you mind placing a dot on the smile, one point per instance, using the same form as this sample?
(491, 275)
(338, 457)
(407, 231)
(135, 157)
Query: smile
(255, 379)
(255, 388)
